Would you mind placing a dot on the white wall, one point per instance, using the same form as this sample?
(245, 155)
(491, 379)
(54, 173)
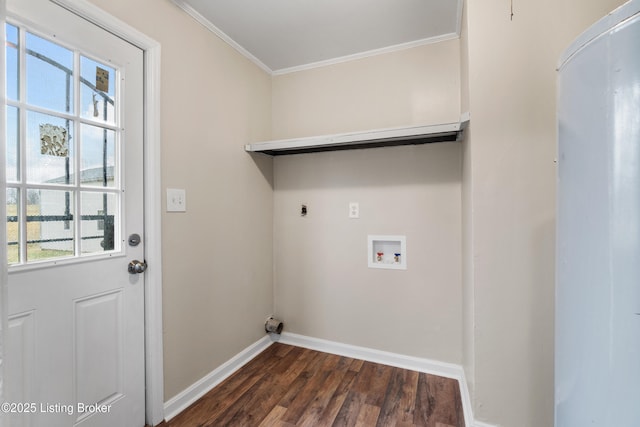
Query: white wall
(323, 287)
(510, 176)
(217, 256)
(413, 86)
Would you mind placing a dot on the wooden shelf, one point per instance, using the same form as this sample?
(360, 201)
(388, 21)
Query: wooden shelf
(411, 135)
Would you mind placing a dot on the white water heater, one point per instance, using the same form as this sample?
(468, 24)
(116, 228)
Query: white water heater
(597, 362)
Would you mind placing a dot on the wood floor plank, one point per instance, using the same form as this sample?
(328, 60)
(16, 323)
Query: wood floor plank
(299, 375)
(297, 356)
(305, 397)
(407, 400)
(331, 362)
(379, 384)
(288, 386)
(231, 389)
(344, 363)
(273, 418)
(282, 350)
(227, 393)
(365, 376)
(348, 414)
(458, 404)
(368, 415)
(443, 393)
(330, 413)
(242, 408)
(258, 401)
(314, 410)
(356, 365)
(423, 403)
(389, 408)
(283, 383)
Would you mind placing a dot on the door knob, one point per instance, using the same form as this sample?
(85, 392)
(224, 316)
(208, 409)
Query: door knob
(137, 267)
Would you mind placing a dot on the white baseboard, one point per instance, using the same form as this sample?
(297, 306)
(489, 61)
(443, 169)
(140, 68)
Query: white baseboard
(185, 398)
(194, 392)
(448, 370)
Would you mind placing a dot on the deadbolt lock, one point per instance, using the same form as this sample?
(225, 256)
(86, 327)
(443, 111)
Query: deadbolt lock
(134, 239)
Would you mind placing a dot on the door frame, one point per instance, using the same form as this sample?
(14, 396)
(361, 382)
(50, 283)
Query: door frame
(154, 375)
(4, 318)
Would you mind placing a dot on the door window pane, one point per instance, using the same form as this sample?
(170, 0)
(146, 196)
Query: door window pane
(13, 227)
(49, 69)
(12, 144)
(49, 149)
(52, 179)
(12, 62)
(99, 213)
(98, 156)
(97, 90)
(50, 231)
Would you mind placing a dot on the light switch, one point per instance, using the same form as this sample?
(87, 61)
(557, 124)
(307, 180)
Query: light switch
(176, 200)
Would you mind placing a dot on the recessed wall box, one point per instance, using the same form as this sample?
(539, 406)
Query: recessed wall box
(387, 252)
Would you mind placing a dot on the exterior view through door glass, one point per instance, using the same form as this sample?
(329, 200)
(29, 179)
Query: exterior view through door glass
(58, 139)
(75, 342)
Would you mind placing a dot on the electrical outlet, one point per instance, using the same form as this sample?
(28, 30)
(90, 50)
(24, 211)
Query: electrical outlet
(176, 200)
(354, 210)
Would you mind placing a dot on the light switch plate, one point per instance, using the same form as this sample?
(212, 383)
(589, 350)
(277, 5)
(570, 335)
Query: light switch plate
(176, 200)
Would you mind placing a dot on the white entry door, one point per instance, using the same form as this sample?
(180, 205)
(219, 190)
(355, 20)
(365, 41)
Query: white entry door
(75, 342)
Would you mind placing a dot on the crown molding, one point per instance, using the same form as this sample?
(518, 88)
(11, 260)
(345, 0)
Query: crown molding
(221, 34)
(367, 54)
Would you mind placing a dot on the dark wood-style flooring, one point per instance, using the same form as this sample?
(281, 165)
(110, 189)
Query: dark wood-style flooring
(293, 386)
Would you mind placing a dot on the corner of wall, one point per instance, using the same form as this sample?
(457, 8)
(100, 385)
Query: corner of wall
(468, 348)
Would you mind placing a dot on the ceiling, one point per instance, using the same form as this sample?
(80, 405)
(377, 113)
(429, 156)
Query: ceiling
(288, 35)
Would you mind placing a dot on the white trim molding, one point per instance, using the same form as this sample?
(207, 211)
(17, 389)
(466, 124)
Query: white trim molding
(367, 54)
(3, 231)
(443, 369)
(191, 394)
(154, 374)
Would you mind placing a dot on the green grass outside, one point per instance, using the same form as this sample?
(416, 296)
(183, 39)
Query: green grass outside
(35, 251)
